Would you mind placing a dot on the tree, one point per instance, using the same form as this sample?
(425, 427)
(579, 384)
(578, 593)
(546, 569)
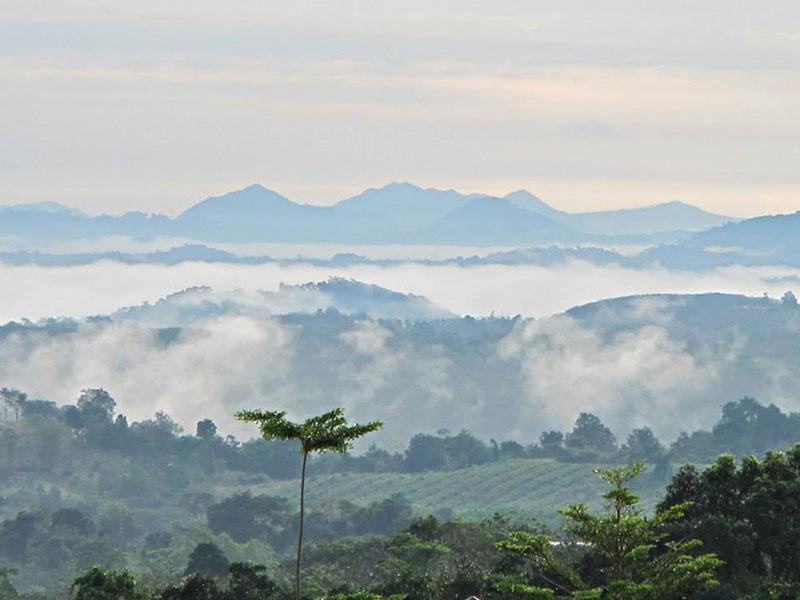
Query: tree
(193, 587)
(445, 451)
(17, 533)
(13, 403)
(552, 443)
(207, 559)
(244, 516)
(71, 519)
(589, 433)
(638, 561)
(206, 429)
(249, 582)
(748, 514)
(328, 432)
(425, 452)
(789, 299)
(746, 427)
(101, 584)
(642, 444)
(96, 404)
(7, 590)
(9, 442)
(93, 417)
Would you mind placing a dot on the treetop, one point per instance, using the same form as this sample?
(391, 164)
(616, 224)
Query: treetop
(328, 432)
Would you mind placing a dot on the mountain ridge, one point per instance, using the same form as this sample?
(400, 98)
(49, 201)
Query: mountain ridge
(397, 213)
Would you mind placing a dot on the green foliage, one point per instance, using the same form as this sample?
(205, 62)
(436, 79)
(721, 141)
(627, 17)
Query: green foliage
(207, 559)
(328, 432)
(589, 435)
(643, 445)
(365, 596)
(206, 429)
(102, 584)
(426, 452)
(749, 514)
(7, 589)
(638, 561)
(244, 516)
(194, 587)
(82, 487)
(746, 427)
(429, 560)
(250, 582)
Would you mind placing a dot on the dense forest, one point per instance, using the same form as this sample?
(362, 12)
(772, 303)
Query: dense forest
(89, 495)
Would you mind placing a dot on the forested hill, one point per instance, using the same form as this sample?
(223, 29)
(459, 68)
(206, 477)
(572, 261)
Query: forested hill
(703, 313)
(627, 360)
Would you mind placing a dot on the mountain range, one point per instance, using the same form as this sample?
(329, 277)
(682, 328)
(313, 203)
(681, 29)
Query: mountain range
(398, 213)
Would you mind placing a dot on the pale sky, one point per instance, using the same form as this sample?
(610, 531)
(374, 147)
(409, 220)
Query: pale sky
(153, 105)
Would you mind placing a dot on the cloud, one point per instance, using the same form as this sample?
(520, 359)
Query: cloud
(100, 288)
(632, 366)
(224, 364)
(413, 386)
(228, 364)
(639, 377)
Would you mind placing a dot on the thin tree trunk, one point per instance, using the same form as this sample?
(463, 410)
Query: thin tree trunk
(302, 523)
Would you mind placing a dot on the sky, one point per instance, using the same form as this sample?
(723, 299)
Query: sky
(152, 105)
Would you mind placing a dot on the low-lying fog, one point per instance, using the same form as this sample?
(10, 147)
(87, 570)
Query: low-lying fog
(281, 250)
(37, 292)
(537, 375)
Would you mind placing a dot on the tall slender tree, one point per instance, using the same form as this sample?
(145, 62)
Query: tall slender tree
(328, 432)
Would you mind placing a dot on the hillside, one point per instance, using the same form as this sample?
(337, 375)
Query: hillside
(345, 296)
(772, 234)
(667, 216)
(536, 488)
(626, 359)
(486, 220)
(404, 205)
(524, 199)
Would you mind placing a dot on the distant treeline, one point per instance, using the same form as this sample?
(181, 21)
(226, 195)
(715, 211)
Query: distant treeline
(745, 427)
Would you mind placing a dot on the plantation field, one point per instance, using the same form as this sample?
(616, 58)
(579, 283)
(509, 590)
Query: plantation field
(535, 488)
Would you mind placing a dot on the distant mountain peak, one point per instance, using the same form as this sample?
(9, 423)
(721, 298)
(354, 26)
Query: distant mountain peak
(658, 206)
(521, 193)
(524, 199)
(399, 212)
(254, 188)
(673, 215)
(46, 207)
(400, 185)
(486, 219)
(253, 199)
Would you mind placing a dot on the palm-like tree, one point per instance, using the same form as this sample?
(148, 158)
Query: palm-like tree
(328, 432)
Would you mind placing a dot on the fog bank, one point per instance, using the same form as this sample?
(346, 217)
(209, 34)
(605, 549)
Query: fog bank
(38, 292)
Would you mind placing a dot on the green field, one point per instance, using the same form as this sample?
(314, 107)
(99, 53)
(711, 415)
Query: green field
(531, 487)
